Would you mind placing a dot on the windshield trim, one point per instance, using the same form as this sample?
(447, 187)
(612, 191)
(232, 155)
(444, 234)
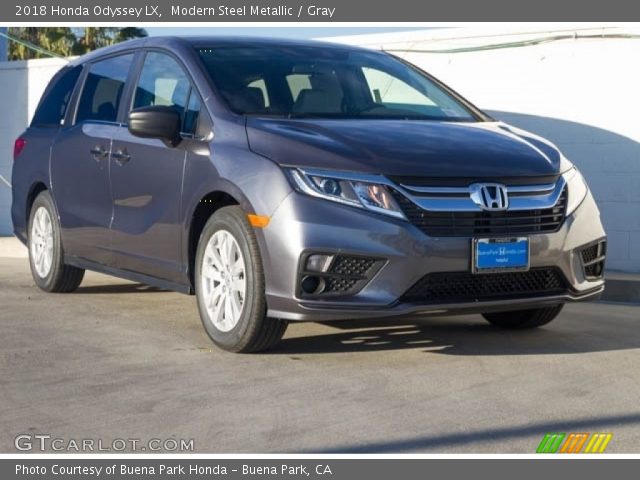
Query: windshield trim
(346, 116)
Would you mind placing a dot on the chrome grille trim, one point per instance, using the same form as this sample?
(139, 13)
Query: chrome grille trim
(464, 191)
(458, 199)
(484, 223)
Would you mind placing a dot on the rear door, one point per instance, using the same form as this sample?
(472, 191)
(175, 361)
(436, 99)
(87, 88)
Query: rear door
(146, 177)
(80, 161)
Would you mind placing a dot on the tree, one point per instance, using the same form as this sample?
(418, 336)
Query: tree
(91, 38)
(35, 42)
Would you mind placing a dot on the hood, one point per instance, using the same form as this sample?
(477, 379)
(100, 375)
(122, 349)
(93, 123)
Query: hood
(404, 147)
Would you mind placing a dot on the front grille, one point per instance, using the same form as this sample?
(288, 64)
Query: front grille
(593, 258)
(452, 287)
(469, 224)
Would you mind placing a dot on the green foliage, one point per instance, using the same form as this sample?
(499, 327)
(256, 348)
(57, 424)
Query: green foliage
(66, 41)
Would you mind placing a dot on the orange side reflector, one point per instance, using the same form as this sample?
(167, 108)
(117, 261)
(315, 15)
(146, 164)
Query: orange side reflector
(258, 221)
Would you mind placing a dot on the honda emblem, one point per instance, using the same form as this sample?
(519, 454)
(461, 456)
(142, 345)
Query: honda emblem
(490, 196)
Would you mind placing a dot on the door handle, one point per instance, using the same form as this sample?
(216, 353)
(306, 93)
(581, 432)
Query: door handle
(99, 153)
(121, 156)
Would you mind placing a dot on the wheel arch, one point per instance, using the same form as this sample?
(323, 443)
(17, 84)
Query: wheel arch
(36, 189)
(208, 204)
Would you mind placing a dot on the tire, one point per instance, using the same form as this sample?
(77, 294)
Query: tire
(227, 259)
(46, 255)
(523, 319)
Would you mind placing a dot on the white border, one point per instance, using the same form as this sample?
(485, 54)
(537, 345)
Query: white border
(311, 456)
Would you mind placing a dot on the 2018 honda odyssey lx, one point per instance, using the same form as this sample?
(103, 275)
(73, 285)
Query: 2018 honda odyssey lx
(282, 180)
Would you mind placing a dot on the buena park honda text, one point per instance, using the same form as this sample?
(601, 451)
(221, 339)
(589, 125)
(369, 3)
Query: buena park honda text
(288, 181)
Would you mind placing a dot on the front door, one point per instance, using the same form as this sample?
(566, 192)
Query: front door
(146, 179)
(80, 162)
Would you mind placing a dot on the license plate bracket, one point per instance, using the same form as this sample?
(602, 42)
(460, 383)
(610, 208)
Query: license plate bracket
(490, 255)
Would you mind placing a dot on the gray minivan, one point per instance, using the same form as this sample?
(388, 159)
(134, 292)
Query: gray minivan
(297, 181)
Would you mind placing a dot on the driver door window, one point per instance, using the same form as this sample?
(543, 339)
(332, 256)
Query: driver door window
(164, 82)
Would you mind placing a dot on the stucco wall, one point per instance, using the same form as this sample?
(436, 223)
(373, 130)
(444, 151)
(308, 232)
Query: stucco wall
(21, 85)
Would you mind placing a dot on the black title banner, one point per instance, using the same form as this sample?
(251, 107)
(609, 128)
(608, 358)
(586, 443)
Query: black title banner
(396, 11)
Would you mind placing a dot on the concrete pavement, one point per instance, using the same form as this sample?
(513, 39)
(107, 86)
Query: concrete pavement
(11, 247)
(122, 360)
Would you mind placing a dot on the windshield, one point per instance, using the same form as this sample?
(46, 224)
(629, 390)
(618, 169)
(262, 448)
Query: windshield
(326, 82)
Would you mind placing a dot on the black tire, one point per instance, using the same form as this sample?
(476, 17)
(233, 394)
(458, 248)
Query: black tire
(523, 319)
(61, 278)
(254, 331)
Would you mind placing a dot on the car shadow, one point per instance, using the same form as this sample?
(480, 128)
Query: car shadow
(464, 336)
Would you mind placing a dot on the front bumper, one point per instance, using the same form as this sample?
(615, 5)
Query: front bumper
(303, 224)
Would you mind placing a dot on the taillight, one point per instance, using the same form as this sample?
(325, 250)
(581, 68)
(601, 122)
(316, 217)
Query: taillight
(19, 144)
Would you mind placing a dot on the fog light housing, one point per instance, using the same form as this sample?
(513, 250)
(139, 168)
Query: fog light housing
(312, 285)
(323, 275)
(593, 258)
(319, 263)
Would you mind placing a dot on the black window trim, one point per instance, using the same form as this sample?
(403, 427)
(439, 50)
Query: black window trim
(186, 109)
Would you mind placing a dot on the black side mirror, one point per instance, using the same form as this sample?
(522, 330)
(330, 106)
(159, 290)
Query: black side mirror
(155, 122)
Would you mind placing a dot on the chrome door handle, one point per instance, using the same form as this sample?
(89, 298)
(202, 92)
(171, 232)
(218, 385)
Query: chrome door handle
(121, 156)
(99, 153)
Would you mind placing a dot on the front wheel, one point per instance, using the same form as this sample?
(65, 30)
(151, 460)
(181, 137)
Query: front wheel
(523, 319)
(230, 286)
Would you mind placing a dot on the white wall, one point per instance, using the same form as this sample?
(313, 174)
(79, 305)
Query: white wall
(582, 94)
(21, 84)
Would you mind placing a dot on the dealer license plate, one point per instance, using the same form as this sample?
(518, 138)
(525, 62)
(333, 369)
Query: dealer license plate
(500, 254)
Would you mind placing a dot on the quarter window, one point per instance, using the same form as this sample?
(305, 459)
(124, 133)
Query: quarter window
(53, 106)
(190, 123)
(103, 89)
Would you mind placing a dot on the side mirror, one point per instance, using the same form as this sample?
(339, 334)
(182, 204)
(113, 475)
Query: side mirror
(155, 122)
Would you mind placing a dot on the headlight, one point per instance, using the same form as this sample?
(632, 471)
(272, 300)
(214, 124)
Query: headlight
(346, 189)
(576, 189)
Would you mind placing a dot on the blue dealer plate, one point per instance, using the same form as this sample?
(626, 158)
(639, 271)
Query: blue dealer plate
(495, 254)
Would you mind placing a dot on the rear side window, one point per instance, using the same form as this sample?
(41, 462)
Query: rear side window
(53, 105)
(103, 89)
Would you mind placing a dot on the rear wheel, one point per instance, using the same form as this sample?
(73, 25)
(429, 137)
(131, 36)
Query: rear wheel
(523, 319)
(46, 255)
(230, 285)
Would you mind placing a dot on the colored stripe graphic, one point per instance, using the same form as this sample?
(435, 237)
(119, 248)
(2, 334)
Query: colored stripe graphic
(598, 443)
(574, 442)
(550, 443)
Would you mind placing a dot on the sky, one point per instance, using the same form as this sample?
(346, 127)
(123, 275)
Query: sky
(283, 32)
